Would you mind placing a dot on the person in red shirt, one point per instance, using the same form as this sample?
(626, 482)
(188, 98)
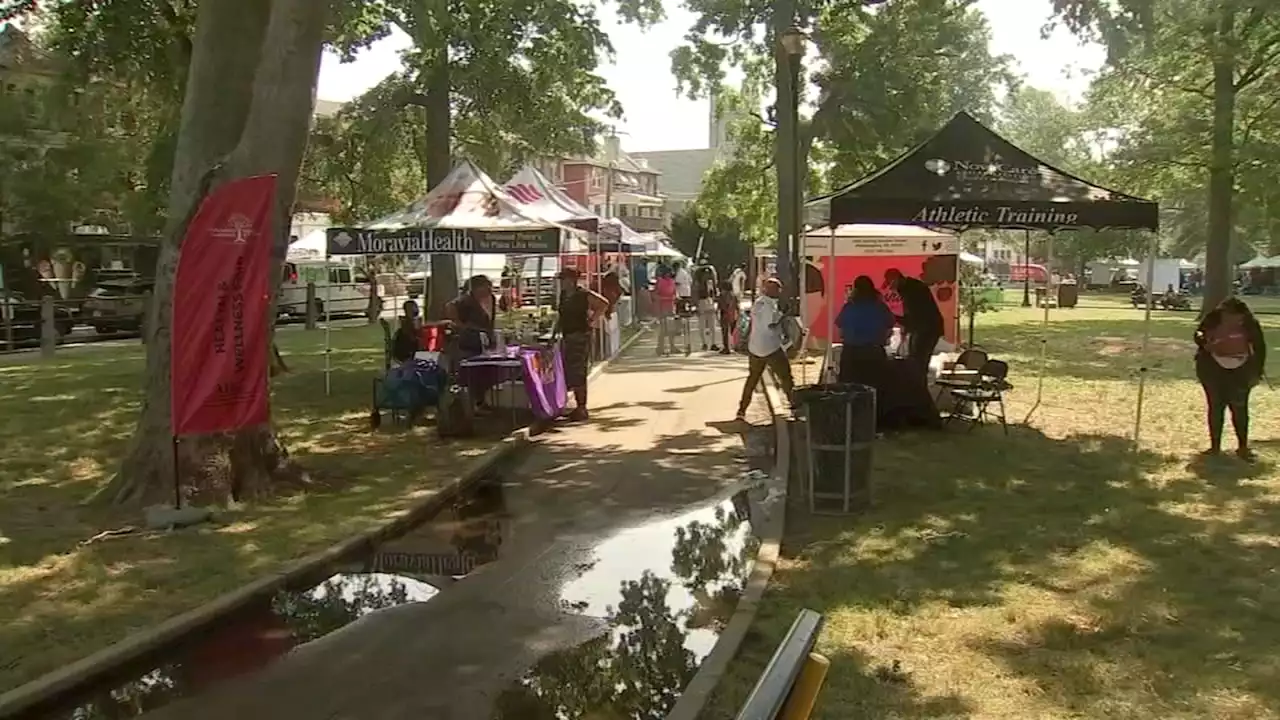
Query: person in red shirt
(664, 293)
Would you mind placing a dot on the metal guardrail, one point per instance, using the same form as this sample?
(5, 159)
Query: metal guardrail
(789, 686)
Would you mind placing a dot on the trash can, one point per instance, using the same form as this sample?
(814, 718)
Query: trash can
(840, 427)
(1068, 295)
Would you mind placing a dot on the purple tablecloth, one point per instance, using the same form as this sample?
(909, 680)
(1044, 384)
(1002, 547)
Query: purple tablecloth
(540, 368)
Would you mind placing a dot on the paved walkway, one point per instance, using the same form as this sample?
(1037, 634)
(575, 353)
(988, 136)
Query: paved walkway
(659, 441)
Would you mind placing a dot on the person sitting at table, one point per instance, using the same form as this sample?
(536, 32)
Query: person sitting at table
(412, 314)
(474, 316)
(579, 310)
(405, 343)
(865, 323)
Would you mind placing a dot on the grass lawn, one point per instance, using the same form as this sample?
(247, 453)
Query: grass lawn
(64, 425)
(1057, 572)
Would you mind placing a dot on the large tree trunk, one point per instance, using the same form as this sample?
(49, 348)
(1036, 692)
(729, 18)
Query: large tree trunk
(444, 268)
(1217, 260)
(248, 105)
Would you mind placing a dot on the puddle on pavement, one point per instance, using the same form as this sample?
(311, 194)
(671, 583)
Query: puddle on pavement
(665, 591)
(414, 567)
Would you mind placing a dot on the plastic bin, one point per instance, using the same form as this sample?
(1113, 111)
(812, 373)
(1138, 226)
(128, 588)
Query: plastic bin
(839, 432)
(1068, 295)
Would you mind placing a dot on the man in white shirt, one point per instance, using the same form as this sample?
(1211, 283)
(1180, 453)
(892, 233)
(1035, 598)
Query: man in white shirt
(738, 278)
(684, 282)
(765, 344)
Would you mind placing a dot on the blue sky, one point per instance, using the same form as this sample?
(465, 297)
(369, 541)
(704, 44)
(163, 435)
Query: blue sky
(658, 119)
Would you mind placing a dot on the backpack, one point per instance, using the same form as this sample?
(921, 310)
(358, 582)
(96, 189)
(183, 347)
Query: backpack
(456, 414)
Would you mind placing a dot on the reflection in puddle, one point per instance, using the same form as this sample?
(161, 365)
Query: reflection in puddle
(408, 569)
(666, 590)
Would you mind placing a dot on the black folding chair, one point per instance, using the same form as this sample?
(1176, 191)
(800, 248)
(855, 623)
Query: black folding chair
(398, 415)
(981, 396)
(964, 375)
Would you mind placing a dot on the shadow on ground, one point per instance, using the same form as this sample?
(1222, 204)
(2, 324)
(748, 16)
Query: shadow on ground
(1032, 576)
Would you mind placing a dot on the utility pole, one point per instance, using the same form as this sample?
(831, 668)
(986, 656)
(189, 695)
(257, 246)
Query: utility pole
(611, 154)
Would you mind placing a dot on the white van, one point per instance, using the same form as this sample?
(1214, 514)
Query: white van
(340, 288)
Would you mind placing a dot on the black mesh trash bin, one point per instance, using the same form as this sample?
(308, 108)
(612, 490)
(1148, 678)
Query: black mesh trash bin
(840, 427)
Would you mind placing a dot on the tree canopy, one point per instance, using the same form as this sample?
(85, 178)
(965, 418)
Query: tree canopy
(1190, 92)
(877, 92)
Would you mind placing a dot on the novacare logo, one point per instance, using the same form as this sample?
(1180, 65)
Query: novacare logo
(983, 171)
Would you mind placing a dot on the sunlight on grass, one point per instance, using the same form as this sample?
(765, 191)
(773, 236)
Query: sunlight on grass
(68, 600)
(1058, 572)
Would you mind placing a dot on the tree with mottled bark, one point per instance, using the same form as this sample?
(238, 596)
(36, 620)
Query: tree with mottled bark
(246, 112)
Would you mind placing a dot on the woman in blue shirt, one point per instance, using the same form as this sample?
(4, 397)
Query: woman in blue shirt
(865, 324)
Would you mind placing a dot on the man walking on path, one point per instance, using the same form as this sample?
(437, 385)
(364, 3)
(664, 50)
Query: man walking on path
(579, 310)
(765, 345)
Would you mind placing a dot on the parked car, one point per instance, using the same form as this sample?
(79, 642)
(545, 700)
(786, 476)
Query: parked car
(23, 316)
(117, 305)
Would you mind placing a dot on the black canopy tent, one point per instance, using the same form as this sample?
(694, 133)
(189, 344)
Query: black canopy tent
(967, 176)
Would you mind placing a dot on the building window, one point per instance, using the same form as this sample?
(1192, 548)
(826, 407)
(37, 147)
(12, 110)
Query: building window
(595, 209)
(622, 210)
(595, 179)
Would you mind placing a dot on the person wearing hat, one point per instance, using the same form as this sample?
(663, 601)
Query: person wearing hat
(578, 312)
(765, 344)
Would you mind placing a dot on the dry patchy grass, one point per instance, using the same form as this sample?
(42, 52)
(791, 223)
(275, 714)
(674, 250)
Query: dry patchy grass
(1058, 572)
(63, 427)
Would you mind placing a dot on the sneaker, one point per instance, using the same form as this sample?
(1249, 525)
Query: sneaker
(1211, 452)
(1246, 454)
(741, 416)
(704, 347)
(579, 414)
(714, 348)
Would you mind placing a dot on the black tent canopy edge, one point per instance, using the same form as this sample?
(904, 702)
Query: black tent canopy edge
(995, 184)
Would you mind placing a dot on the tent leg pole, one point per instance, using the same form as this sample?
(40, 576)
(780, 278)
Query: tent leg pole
(1146, 338)
(830, 286)
(537, 289)
(1044, 326)
(802, 311)
(328, 326)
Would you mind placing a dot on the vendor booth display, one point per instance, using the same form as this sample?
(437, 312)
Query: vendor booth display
(468, 213)
(966, 176)
(834, 256)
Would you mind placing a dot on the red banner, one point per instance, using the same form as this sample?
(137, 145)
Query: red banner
(221, 294)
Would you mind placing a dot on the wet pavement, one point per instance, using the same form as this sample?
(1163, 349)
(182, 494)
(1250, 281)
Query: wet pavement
(595, 575)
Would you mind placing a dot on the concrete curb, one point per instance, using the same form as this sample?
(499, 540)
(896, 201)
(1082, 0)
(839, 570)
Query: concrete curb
(107, 664)
(698, 693)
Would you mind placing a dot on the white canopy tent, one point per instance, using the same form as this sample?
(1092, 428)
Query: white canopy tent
(467, 200)
(537, 195)
(1260, 263)
(308, 247)
(971, 259)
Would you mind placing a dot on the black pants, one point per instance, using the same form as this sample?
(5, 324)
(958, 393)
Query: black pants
(756, 365)
(726, 330)
(921, 343)
(1226, 390)
(863, 364)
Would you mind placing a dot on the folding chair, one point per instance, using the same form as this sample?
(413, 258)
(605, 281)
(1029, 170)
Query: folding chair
(399, 415)
(987, 392)
(964, 375)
